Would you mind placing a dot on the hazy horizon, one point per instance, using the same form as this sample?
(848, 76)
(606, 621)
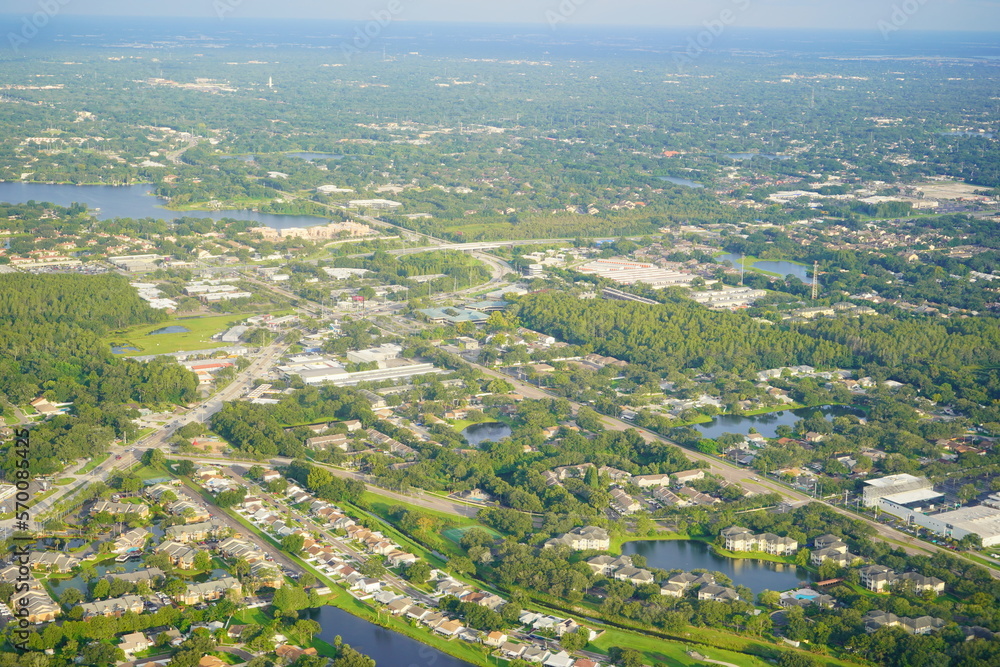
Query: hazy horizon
(909, 15)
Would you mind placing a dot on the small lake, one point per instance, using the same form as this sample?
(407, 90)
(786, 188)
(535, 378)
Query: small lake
(757, 575)
(685, 182)
(123, 349)
(136, 201)
(477, 434)
(386, 647)
(169, 330)
(778, 267)
(767, 424)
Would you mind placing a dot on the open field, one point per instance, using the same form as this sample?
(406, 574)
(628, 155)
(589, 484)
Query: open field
(198, 338)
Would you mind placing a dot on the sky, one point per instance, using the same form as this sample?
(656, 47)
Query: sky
(979, 15)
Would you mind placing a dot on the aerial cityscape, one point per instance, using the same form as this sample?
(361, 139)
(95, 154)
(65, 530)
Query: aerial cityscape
(569, 334)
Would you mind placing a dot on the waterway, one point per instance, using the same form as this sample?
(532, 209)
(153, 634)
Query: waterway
(685, 182)
(477, 434)
(778, 267)
(387, 647)
(757, 575)
(136, 201)
(767, 424)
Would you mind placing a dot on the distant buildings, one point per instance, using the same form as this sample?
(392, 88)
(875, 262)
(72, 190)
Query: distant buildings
(377, 204)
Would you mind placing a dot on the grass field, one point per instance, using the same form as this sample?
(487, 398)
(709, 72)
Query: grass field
(198, 338)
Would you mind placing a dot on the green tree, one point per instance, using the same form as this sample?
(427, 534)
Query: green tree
(203, 560)
(292, 543)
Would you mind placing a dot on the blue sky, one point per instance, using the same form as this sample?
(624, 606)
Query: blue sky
(853, 14)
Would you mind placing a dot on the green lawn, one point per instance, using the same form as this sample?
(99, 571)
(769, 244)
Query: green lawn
(198, 338)
(462, 424)
(94, 462)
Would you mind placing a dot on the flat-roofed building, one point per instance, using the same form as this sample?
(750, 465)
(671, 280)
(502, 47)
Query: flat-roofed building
(891, 485)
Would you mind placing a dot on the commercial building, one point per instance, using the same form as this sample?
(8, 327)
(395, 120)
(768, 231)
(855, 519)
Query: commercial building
(136, 263)
(378, 204)
(979, 520)
(626, 272)
(378, 355)
(234, 335)
(891, 485)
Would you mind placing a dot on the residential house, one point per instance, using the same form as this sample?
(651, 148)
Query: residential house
(535, 654)
(923, 625)
(324, 442)
(192, 513)
(53, 561)
(695, 497)
(634, 575)
(841, 557)
(686, 476)
(741, 539)
(112, 607)
(396, 558)
(560, 659)
(920, 583)
(717, 593)
(120, 509)
(669, 498)
(450, 628)
(292, 653)
(195, 532)
(133, 643)
(209, 590)
(512, 651)
(876, 577)
(580, 539)
(157, 491)
(648, 481)
(495, 639)
(615, 475)
(133, 540)
(148, 575)
(607, 564)
(624, 503)
(236, 548)
(180, 555)
(39, 607)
